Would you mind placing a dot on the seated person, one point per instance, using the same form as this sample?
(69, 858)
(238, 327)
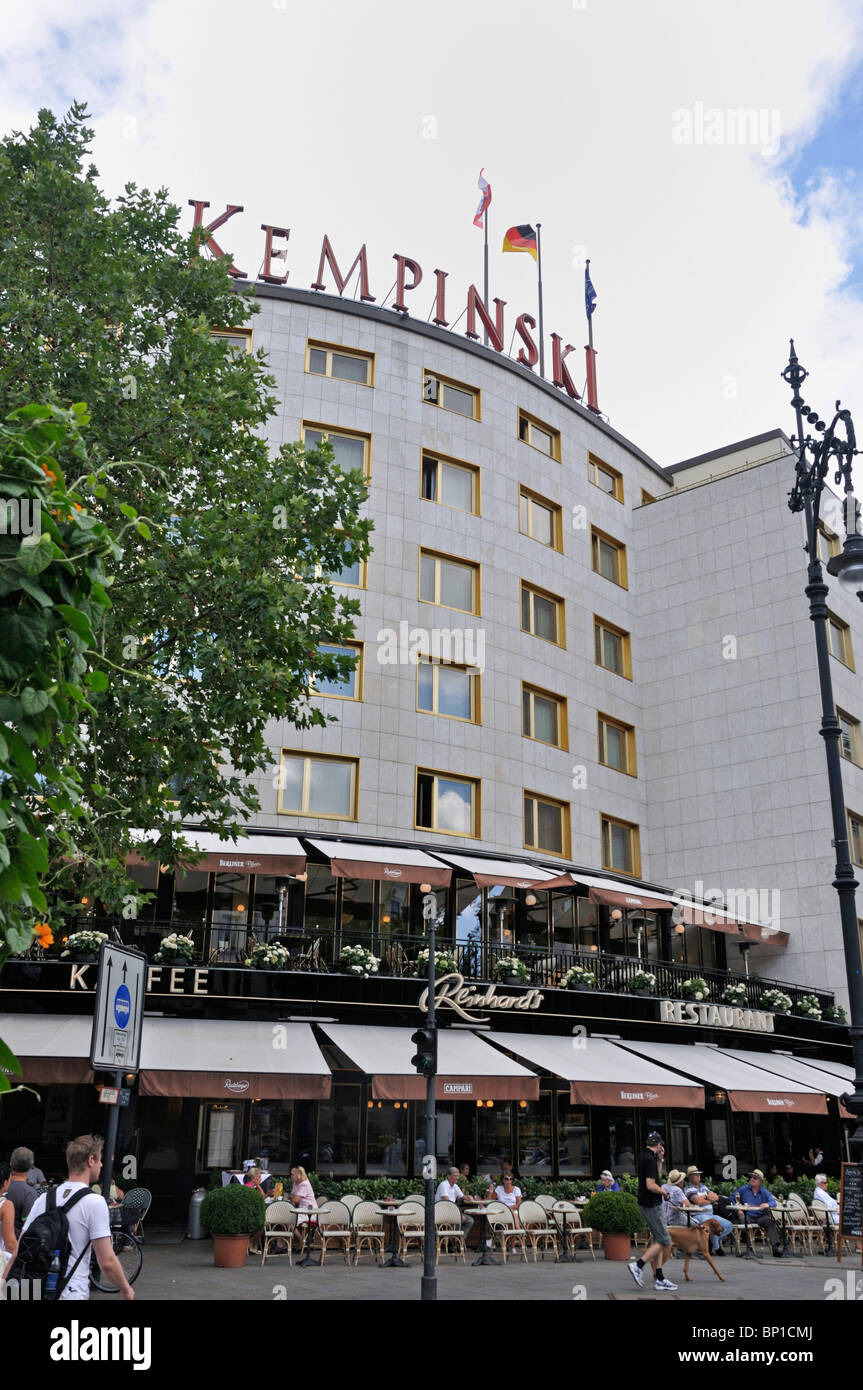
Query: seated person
(788, 1172)
(507, 1192)
(449, 1191)
(701, 1197)
(754, 1196)
(822, 1197)
(606, 1182)
(116, 1193)
(253, 1179)
(675, 1199)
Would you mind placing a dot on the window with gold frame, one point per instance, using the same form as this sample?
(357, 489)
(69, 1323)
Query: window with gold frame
(544, 716)
(449, 582)
(543, 614)
(546, 824)
(351, 688)
(855, 836)
(646, 497)
(540, 519)
(318, 785)
(616, 744)
(238, 339)
(447, 804)
(839, 638)
(344, 364)
(450, 483)
(539, 435)
(449, 690)
(828, 544)
(620, 846)
(606, 478)
(608, 557)
(352, 450)
(613, 651)
(449, 394)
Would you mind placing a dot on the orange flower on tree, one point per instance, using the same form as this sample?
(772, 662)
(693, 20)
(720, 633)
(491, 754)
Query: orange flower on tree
(44, 934)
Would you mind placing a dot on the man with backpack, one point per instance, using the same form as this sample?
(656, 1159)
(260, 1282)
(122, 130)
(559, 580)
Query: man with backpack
(63, 1224)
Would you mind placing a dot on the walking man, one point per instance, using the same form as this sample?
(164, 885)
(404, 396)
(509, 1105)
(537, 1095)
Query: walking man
(650, 1197)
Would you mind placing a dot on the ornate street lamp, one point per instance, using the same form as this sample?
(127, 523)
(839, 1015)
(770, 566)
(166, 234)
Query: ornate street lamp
(820, 447)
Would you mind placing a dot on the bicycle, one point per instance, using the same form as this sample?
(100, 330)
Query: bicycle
(129, 1252)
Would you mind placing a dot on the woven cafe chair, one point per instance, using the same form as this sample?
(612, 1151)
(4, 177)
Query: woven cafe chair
(536, 1222)
(367, 1220)
(575, 1230)
(449, 1230)
(798, 1221)
(504, 1232)
(334, 1228)
(415, 1197)
(280, 1223)
(134, 1208)
(351, 1200)
(823, 1227)
(410, 1220)
(545, 1201)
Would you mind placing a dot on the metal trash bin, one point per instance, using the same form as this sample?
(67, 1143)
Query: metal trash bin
(194, 1229)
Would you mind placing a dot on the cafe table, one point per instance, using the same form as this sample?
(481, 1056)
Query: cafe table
(479, 1205)
(750, 1252)
(311, 1222)
(389, 1207)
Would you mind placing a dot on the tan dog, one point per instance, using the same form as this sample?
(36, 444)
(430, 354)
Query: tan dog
(695, 1240)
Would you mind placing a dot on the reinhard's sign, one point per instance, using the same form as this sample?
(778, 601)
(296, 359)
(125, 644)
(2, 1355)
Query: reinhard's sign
(715, 1016)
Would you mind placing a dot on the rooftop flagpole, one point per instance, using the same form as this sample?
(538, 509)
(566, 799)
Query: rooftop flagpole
(485, 272)
(539, 298)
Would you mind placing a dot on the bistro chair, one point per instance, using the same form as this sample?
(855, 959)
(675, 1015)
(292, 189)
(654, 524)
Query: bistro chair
(449, 1230)
(543, 1200)
(798, 1221)
(134, 1208)
(575, 1231)
(410, 1219)
(310, 959)
(537, 1225)
(280, 1224)
(504, 1232)
(823, 1227)
(368, 1222)
(334, 1228)
(351, 1200)
(395, 959)
(415, 1197)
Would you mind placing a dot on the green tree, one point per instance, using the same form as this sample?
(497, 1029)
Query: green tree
(219, 601)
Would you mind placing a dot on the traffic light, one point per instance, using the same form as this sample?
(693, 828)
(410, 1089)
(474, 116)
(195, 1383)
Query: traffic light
(425, 1060)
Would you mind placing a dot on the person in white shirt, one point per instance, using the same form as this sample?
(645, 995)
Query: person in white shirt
(8, 1243)
(507, 1192)
(88, 1221)
(823, 1198)
(449, 1191)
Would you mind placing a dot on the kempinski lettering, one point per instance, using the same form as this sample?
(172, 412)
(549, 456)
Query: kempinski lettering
(452, 993)
(715, 1016)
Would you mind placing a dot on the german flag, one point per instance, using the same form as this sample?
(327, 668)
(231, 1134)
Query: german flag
(521, 239)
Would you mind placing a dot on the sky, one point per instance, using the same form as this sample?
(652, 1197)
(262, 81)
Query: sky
(707, 158)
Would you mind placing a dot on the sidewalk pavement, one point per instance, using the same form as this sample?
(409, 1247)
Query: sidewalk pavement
(179, 1273)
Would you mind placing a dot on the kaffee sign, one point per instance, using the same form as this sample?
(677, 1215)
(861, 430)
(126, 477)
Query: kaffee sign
(409, 275)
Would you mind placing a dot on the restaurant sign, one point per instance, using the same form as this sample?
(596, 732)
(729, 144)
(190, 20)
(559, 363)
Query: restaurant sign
(715, 1016)
(451, 992)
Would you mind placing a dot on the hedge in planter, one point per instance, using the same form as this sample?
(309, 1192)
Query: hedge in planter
(234, 1210)
(614, 1212)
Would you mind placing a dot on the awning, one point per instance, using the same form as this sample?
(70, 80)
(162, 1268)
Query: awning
(840, 1072)
(251, 854)
(600, 1073)
(614, 893)
(509, 873)
(232, 1060)
(810, 1073)
(749, 1087)
(348, 860)
(468, 1069)
(716, 919)
(53, 1049)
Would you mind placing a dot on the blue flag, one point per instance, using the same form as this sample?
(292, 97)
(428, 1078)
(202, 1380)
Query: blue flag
(589, 292)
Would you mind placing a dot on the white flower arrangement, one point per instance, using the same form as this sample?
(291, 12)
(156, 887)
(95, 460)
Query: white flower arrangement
(444, 962)
(810, 1005)
(642, 979)
(356, 960)
(272, 957)
(695, 988)
(175, 945)
(836, 1014)
(510, 965)
(578, 975)
(84, 943)
(777, 1000)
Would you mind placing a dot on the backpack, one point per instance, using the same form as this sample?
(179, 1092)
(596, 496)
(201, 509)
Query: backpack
(36, 1246)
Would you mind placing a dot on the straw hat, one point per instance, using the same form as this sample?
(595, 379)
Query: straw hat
(757, 1173)
(692, 1170)
(675, 1177)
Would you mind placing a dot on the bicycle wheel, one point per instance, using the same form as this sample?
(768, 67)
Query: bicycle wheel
(127, 1249)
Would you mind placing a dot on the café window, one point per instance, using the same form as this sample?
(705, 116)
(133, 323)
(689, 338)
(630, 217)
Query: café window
(621, 1142)
(546, 824)
(352, 452)
(230, 899)
(339, 1131)
(386, 1136)
(849, 742)
(612, 648)
(451, 395)
(235, 339)
(357, 910)
(350, 687)
(146, 876)
(326, 359)
(447, 804)
(573, 1138)
(318, 786)
(320, 899)
(448, 690)
(620, 846)
(448, 582)
(540, 519)
(543, 716)
(616, 744)
(608, 557)
(190, 896)
(839, 637)
(533, 1130)
(604, 477)
(450, 484)
(538, 435)
(270, 1133)
(542, 615)
(493, 1135)
(587, 918)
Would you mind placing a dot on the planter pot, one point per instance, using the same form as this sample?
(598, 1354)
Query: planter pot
(229, 1252)
(81, 958)
(616, 1246)
(585, 989)
(644, 993)
(512, 980)
(176, 960)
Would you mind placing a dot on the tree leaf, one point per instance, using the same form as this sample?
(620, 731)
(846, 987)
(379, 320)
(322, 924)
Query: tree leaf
(77, 621)
(23, 635)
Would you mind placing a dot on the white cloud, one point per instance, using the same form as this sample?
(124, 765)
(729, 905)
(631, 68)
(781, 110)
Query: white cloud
(315, 117)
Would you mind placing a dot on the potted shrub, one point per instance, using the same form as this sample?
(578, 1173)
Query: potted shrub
(444, 963)
(696, 988)
(777, 1000)
(356, 960)
(809, 1005)
(84, 945)
(734, 994)
(642, 982)
(617, 1216)
(272, 957)
(578, 977)
(508, 970)
(835, 1014)
(175, 950)
(231, 1215)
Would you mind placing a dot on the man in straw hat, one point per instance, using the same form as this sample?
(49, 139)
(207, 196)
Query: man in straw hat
(758, 1200)
(701, 1197)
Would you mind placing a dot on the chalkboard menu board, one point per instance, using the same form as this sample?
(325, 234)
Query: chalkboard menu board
(851, 1199)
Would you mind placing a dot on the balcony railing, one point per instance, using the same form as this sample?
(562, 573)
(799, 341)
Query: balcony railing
(319, 949)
